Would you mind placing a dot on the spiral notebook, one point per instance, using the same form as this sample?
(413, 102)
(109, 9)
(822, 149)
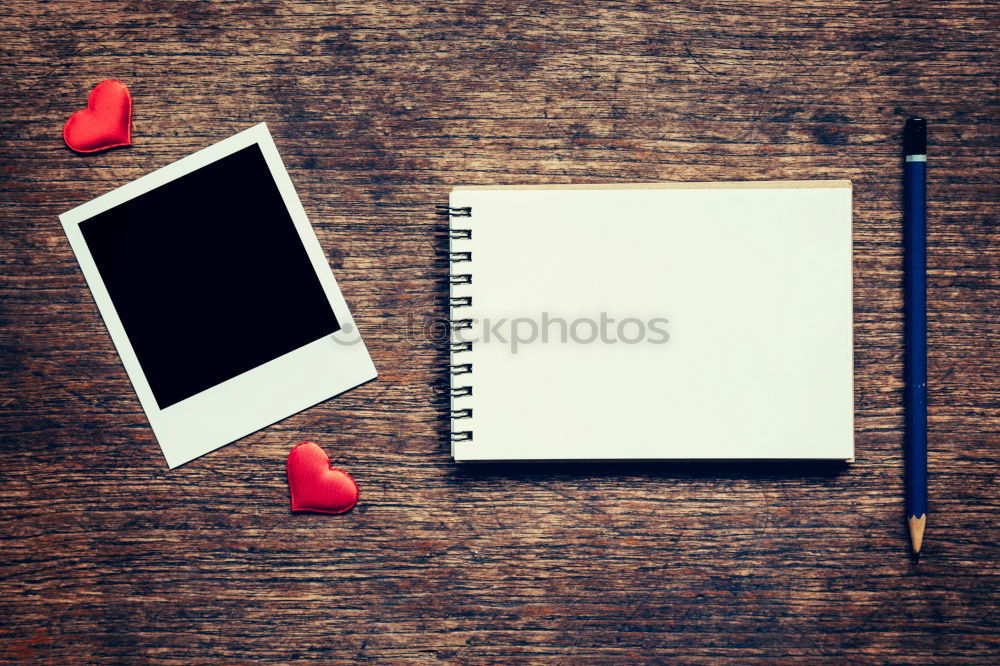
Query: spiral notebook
(645, 322)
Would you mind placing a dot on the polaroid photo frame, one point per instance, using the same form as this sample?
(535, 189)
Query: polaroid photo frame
(217, 295)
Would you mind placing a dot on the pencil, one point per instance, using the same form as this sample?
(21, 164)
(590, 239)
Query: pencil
(915, 303)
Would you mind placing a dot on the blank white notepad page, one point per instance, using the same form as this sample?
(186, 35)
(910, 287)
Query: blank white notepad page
(655, 322)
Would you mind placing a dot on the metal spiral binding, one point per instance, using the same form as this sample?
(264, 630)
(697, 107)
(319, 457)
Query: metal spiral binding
(458, 324)
(463, 211)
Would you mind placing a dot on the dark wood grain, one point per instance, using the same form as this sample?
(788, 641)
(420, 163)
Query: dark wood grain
(378, 109)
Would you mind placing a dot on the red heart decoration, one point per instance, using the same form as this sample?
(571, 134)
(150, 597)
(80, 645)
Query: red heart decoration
(105, 123)
(315, 485)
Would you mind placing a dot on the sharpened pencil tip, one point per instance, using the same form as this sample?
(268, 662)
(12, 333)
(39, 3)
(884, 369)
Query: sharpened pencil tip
(917, 525)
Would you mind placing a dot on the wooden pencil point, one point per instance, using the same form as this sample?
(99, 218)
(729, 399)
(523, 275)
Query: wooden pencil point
(917, 526)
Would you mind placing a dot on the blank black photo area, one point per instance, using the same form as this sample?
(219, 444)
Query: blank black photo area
(209, 276)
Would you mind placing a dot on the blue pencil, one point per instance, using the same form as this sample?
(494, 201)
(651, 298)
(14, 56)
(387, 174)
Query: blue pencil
(915, 397)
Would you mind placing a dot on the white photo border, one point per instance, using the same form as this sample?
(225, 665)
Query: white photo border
(261, 396)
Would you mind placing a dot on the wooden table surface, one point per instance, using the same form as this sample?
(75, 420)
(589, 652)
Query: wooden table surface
(379, 109)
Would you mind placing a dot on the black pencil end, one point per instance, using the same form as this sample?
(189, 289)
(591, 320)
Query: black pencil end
(915, 136)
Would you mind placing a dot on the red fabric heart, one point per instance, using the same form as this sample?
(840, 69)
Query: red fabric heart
(315, 485)
(105, 123)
